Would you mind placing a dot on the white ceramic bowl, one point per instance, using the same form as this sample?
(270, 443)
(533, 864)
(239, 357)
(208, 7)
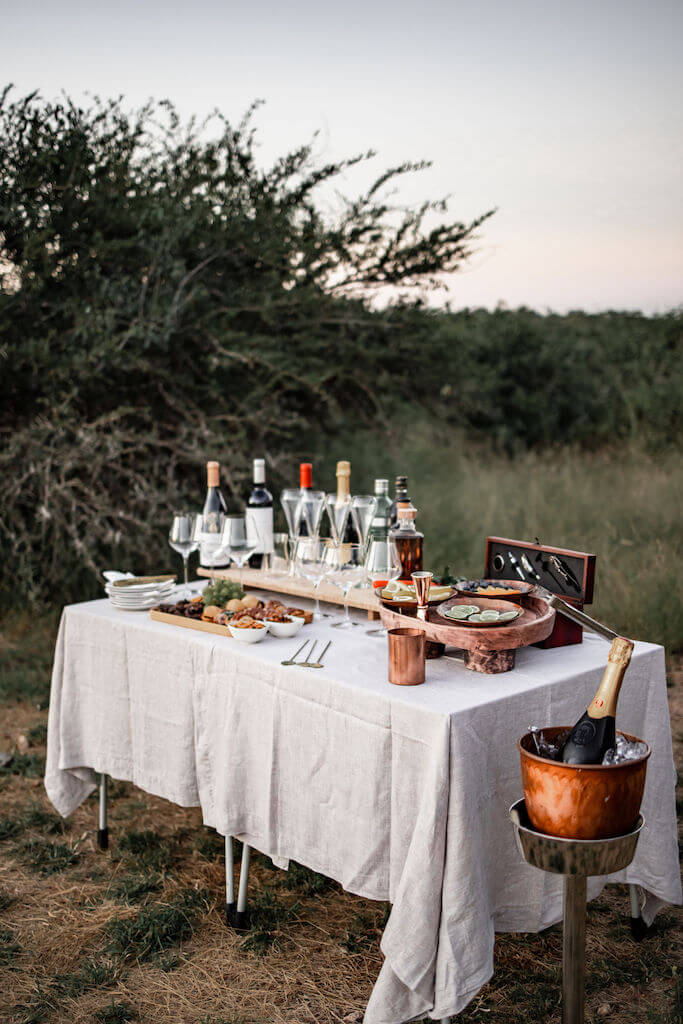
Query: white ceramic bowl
(246, 635)
(285, 629)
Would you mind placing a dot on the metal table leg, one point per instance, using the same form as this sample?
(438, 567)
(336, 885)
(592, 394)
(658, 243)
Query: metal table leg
(574, 949)
(229, 882)
(103, 831)
(241, 915)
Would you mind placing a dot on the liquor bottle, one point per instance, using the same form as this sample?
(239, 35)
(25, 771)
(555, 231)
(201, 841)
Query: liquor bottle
(381, 524)
(259, 516)
(409, 542)
(305, 484)
(214, 506)
(343, 495)
(594, 733)
(401, 499)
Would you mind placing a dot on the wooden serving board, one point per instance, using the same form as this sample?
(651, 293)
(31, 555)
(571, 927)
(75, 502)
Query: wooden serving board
(257, 579)
(486, 650)
(182, 620)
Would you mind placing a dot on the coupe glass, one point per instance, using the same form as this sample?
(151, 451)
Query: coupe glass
(347, 572)
(211, 524)
(338, 515)
(311, 563)
(363, 508)
(236, 542)
(382, 564)
(182, 539)
(290, 499)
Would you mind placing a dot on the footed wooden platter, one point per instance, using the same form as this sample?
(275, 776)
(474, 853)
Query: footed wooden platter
(488, 650)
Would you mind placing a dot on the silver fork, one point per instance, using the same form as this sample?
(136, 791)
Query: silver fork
(292, 660)
(319, 662)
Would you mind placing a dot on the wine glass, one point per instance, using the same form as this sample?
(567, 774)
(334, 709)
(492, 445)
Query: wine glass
(237, 542)
(208, 529)
(338, 515)
(382, 564)
(181, 538)
(347, 572)
(310, 559)
(290, 499)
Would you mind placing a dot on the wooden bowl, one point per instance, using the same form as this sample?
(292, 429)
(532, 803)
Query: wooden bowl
(520, 590)
(581, 801)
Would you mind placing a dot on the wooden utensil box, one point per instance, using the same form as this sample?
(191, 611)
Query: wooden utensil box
(569, 574)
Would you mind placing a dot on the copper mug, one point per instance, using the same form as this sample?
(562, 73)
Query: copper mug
(406, 656)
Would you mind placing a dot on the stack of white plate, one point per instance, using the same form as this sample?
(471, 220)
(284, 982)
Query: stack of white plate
(133, 597)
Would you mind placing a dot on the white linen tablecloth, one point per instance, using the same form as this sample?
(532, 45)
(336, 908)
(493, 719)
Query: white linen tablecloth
(398, 793)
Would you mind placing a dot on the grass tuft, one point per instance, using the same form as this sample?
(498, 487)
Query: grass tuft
(9, 949)
(267, 915)
(31, 766)
(48, 858)
(116, 1013)
(156, 927)
(148, 851)
(305, 881)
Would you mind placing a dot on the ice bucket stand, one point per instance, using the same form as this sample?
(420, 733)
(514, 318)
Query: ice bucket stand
(576, 859)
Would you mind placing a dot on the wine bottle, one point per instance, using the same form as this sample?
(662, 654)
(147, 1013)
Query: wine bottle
(379, 528)
(401, 499)
(305, 485)
(343, 495)
(409, 542)
(214, 506)
(259, 516)
(595, 733)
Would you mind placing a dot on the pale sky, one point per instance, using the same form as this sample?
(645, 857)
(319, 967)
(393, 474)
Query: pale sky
(568, 116)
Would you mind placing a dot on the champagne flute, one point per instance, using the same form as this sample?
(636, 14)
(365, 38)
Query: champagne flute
(182, 539)
(363, 508)
(382, 564)
(338, 515)
(312, 505)
(290, 499)
(310, 559)
(348, 572)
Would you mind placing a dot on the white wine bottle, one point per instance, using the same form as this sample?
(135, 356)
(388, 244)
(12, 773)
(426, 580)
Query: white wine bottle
(215, 508)
(595, 732)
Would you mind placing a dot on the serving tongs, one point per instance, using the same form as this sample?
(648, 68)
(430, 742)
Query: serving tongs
(573, 613)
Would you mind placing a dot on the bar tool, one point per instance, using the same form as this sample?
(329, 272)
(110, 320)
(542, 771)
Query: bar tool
(514, 564)
(528, 567)
(422, 582)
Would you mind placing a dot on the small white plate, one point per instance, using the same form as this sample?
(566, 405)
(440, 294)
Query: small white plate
(285, 629)
(246, 635)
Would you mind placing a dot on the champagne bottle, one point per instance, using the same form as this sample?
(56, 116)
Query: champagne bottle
(259, 515)
(214, 506)
(305, 485)
(343, 493)
(595, 733)
(401, 499)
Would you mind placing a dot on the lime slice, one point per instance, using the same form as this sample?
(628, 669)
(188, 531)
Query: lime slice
(509, 616)
(490, 615)
(461, 611)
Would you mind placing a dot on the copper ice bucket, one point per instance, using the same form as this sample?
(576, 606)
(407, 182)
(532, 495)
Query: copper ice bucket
(587, 801)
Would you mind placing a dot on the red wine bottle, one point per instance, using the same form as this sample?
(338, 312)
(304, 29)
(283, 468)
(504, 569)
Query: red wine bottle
(259, 516)
(595, 732)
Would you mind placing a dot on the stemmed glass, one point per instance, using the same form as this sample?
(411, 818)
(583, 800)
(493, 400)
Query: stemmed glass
(236, 542)
(276, 562)
(382, 564)
(347, 571)
(290, 499)
(312, 505)
(363, 508)
(212, 551)
(310, 560)
(338, 515)
(182, 539)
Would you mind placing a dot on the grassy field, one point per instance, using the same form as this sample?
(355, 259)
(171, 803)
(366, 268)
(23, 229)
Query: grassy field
(137, 933)
(624, 505)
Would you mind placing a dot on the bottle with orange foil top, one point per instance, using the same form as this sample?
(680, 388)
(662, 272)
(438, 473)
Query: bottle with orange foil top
(595, 731)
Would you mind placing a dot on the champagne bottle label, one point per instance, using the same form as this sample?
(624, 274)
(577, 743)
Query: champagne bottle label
(260, 529)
